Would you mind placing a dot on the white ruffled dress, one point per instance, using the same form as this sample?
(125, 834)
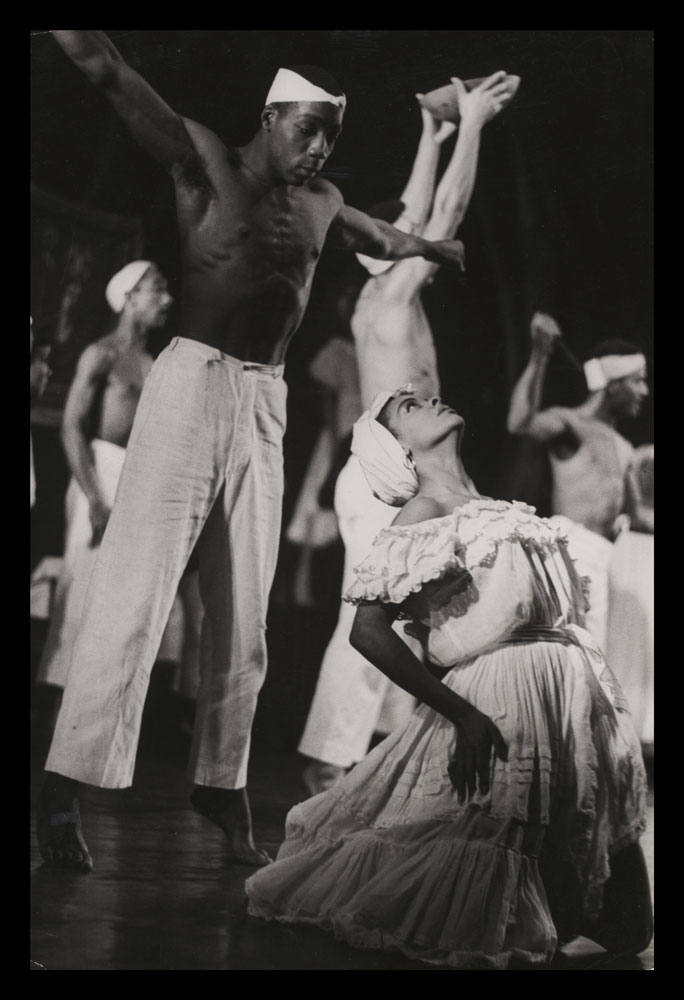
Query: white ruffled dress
(388, 858)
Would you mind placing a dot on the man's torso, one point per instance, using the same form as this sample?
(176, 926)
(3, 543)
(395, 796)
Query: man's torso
(588, 469)
(249, 254)
(394, 345)
(117, 401)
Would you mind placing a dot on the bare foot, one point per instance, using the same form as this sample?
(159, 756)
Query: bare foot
(319, 776)
(229, 809)
(59, 826)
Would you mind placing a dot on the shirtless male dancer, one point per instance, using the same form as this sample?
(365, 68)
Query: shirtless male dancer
(97, 422)
(394, 345)
(592, 479)
(205, 452)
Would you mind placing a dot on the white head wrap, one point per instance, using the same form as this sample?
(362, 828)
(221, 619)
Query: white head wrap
(390, 472)
(123, 281)
(600, 371)
(376, 267)
(290, 86)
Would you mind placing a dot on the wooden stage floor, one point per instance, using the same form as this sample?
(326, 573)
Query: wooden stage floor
(162, 897)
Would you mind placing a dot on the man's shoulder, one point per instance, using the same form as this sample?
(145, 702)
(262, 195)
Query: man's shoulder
(322, 186)
(99, 356)
(202, 136)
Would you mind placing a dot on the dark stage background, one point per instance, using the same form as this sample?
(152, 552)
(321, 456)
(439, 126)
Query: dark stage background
(560, 220)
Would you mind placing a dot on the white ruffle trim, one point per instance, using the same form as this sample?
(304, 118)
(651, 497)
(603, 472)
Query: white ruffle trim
(405, 557)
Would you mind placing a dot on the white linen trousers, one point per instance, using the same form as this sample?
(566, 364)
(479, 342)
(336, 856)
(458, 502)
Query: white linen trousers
(204, 456)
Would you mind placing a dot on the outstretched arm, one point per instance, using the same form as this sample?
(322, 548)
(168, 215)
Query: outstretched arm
(523, 413)
(353, 230)
(91, 371)
(151, 122)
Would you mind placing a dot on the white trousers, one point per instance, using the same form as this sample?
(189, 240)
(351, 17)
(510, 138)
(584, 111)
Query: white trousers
(353, 699)
(78, 564)
(630, 642)
(592, 554)
(204, 457)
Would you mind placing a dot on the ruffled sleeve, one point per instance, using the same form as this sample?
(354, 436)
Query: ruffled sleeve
(403, 559)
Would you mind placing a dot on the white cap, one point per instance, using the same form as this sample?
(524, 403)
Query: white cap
(600, 371)
(290, 86)
(123, 282)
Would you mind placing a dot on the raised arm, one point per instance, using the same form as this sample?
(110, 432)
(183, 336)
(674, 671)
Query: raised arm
(151, 122)
(420, 187)
(455, 188)
(92, 370)
(353, 230)
(524, 416)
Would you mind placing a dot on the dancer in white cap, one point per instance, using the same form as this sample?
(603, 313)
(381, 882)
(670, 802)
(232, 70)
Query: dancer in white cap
(504, 818)
(97, 423)
(204, 458)
(394, 344)
(591, 463)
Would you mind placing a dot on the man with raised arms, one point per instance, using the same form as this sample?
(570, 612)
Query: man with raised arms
(591, 462)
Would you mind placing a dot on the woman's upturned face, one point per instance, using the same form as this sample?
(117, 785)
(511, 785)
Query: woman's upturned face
(419, 423)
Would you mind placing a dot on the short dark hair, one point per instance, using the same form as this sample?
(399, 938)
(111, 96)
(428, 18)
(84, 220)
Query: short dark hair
(388, 211)
(615, 345)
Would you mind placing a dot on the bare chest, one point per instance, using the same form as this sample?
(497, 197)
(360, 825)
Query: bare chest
(127, 376)
(282, 230)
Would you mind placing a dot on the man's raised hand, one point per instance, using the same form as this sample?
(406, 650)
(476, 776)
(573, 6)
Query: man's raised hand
(544, 332)
(485, 101)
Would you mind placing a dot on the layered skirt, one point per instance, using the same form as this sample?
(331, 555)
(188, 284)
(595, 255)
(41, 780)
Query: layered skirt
(388, 858)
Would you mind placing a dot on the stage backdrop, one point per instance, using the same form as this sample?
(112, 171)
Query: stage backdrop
(74, 252)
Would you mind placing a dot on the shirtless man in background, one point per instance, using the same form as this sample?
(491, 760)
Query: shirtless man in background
(97, 422)
(204, 459)
(591, 463)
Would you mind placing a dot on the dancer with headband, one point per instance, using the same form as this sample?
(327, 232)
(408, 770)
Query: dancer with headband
(591, 462)
(204, 462)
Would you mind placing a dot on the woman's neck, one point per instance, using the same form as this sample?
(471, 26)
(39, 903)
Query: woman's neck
(443, 476)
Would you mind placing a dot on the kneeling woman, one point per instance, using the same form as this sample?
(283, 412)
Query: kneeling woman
(505, 816)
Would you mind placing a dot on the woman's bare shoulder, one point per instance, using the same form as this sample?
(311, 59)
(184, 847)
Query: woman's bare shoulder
(419, 508)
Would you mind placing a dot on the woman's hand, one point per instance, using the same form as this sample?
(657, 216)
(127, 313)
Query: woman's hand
(468, 769)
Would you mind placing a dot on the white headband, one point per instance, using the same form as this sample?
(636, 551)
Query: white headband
(123, 282)
(600, 371)
(376, 267)
(290, 86)
(388, 469)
